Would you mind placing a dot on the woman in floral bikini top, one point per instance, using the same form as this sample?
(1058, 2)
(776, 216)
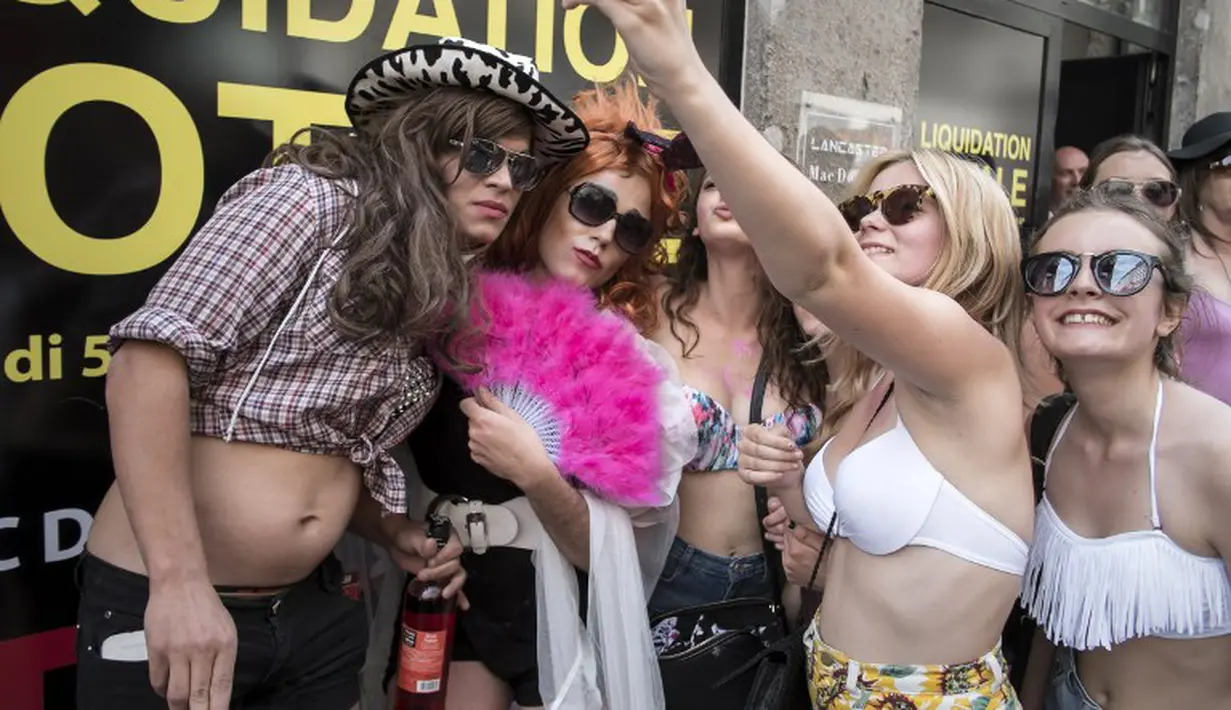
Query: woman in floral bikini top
(723, 320)
(718, 434)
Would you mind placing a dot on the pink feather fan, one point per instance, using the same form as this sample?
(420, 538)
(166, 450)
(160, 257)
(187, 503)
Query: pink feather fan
(576, 375)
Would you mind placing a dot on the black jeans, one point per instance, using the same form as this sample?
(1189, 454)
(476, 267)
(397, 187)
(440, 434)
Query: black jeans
(300, 648)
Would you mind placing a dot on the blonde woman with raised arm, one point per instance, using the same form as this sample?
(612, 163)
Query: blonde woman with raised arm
(925, 486)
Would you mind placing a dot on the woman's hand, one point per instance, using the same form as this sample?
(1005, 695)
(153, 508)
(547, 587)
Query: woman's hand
(658, 40)
(769, 458)
(503, 443)
(800, 551)
(800, 545)
(776, 522)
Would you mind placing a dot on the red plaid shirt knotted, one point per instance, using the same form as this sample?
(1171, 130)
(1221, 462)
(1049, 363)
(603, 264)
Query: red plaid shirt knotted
(246, 305)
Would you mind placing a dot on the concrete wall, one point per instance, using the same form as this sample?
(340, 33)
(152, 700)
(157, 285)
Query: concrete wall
(851, 48)
(1203, 64)
(870, 51)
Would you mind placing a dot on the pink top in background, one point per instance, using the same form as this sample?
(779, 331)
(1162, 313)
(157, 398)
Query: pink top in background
(1205, 335)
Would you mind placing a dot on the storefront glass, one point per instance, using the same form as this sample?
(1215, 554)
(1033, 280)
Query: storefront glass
(1151, 13)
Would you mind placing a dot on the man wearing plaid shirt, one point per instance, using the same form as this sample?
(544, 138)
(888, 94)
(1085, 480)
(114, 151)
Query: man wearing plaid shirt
(270, 371)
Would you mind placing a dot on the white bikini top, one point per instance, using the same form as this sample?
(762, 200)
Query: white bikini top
(888, 496)
(1096, 592)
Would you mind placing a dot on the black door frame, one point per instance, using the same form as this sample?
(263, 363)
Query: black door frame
(1162, 42)
(731, 58)
(1051, 29)
(1046, 18)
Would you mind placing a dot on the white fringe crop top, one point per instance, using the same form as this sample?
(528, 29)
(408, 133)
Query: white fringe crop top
(1088, 593)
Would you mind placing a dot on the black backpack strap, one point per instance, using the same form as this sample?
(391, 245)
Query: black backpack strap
(773, 558)
(759, 383)
(1019, 628)
(1043, 426)
(879, 407)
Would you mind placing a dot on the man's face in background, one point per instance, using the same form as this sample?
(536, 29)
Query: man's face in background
(1067, 169)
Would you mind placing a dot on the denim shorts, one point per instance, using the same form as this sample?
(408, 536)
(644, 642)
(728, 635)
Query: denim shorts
(300, 648)
(1065, 691)
(691, 577)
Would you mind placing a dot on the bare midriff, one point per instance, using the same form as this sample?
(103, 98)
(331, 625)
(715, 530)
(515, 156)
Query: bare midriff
(267, 516)
(1149, 673)
(718, 514)
(917, 606)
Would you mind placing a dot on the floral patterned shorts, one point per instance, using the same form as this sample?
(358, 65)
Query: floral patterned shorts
(835, 682)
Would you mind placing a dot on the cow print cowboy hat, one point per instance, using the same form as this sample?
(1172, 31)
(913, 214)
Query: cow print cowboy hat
(398, 76)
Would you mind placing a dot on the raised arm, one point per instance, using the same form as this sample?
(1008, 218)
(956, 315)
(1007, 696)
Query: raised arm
(801, 239)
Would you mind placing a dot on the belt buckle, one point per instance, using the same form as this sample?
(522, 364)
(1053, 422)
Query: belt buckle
(476, 526)
(442, 499)
(476, 519)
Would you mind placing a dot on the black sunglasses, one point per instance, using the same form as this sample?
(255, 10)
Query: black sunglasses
(594, 204)
(1117, 273)
(898, 204)
(483, 157)
(1223, 163)
(676, 153)
(1160, 193)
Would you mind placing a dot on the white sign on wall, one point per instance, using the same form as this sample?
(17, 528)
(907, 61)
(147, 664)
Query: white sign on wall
(838, 136)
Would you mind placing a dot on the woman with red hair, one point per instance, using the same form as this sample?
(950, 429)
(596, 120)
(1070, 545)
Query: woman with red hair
(547, 228)
(595, 222)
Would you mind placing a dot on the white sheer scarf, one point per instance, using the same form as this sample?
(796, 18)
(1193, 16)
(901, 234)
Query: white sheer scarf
(609, 662)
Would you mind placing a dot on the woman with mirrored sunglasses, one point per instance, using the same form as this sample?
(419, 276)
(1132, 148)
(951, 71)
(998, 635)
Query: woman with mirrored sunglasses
(933, 499)
(1128, 576)
(596, 221)
(1204, 161)
(1123, 165)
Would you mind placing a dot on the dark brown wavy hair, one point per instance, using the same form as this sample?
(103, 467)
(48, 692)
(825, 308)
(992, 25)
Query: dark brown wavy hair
(1177, 282)
(403, 271)
(801, 379)
(1193, 176)
(606, 111)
